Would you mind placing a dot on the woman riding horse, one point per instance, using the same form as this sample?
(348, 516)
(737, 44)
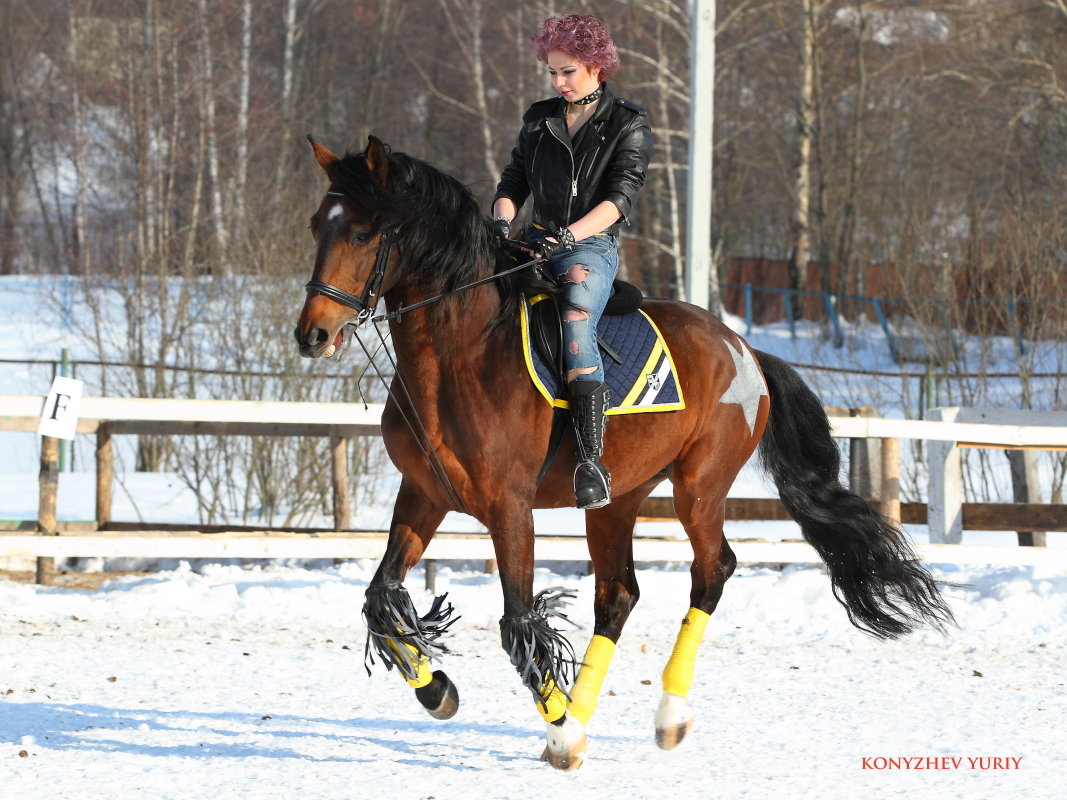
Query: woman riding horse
(468, 431)
(583, 156)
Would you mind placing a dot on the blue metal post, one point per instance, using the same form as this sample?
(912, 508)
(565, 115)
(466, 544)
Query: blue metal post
(787, 302)
(877, 305)
(831, 312)
(1016, 326)
(748, 309)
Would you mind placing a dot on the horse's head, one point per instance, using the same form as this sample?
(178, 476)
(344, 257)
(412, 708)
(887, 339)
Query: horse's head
(354, 253)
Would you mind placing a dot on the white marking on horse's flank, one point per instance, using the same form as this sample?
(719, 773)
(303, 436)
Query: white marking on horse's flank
(748, 385)
(336, 211)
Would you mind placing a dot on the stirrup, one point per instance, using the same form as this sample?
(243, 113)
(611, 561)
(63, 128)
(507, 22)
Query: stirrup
(592, 485)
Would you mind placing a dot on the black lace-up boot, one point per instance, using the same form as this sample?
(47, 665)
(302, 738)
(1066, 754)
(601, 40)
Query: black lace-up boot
(589, 403)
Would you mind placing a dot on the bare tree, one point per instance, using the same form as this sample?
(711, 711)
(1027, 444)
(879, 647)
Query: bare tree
(207, 92)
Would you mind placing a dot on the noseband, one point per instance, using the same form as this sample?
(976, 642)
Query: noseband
(364, 304)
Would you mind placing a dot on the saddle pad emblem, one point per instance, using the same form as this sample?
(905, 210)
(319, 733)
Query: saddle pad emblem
(646, 381)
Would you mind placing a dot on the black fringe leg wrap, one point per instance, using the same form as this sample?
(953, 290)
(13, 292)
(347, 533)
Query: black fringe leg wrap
(392, 622)
(539, 652)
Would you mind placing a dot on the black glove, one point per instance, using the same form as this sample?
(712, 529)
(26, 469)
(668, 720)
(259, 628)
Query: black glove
(546, 249)
(502, 226)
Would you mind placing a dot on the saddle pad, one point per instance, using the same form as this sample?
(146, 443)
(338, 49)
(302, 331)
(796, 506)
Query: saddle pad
(646, 380)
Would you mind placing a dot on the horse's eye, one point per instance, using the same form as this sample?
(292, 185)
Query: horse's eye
(358, 237)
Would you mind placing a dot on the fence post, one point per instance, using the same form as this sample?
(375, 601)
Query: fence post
(66, 449)
(105, 472)
(430, 575)
(342, 506)
(48, 489)
(748, 309)
(787, 303)
(945, 496)
(890, 491)
(1026, 488)
(863, 458)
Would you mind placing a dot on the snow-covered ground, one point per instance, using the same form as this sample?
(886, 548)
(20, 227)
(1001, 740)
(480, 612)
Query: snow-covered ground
(248, 681)
(237, 682)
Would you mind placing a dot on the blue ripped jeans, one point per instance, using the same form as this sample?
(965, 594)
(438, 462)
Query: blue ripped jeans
(587, 271)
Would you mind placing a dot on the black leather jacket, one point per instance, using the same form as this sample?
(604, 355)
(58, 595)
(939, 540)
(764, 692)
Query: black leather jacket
(606, 161)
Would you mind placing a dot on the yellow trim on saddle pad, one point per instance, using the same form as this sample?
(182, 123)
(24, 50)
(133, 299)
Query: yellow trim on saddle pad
(659, 361)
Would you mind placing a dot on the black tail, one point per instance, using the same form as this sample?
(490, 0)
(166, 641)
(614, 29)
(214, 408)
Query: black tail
(875, 573)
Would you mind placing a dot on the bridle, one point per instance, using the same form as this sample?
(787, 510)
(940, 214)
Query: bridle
(363, 305)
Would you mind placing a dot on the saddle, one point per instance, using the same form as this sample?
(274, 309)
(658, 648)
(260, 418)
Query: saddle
(546, 324)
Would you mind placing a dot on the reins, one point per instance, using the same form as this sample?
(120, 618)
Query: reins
(497, 276)
(363, 306)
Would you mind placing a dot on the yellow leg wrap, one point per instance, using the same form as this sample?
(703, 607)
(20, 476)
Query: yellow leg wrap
(423, 674)
(590, 678)
(678, 674)
(556, 702)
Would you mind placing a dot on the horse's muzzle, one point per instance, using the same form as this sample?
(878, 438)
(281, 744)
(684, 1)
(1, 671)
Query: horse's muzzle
(316, 343)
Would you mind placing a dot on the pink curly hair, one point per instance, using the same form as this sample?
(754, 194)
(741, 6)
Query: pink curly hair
(581, 36)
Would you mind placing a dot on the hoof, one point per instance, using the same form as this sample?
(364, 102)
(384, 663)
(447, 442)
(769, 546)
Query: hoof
(674, 720)
(439, 697)
(566, 744)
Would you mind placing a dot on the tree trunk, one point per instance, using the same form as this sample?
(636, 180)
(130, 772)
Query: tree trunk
(207, 88)
(241, 177)
(798, 261)
(844, 252)
(82, 253)
(286, 133)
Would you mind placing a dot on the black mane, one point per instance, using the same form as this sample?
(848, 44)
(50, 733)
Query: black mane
(445, 241)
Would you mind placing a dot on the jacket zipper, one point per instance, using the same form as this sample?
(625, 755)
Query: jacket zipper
(574, 179)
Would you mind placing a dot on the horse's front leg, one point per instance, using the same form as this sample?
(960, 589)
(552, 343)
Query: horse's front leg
(542, 655)
(395, 631)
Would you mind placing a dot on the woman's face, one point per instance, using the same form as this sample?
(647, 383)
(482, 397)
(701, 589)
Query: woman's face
(570, 77)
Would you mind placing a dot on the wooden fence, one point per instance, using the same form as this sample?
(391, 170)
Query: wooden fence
(109, 417)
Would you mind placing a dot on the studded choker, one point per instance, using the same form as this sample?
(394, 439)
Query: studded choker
(590, 98)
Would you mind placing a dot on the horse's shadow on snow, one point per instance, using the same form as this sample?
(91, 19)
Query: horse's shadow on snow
(228, 734)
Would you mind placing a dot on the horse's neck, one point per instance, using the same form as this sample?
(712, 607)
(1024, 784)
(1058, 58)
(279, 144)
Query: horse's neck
(444, 341)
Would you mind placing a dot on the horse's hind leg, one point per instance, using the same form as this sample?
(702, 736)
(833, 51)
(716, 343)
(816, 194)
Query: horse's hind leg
(713, 564)
(395, 631)
(609, 533)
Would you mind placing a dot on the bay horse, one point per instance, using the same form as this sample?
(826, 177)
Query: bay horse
(467, 430)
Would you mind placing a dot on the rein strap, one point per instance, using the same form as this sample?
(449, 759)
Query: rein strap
(398, 314)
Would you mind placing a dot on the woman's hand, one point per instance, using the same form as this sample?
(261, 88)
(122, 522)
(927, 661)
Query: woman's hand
(502, 226)
(550, 246)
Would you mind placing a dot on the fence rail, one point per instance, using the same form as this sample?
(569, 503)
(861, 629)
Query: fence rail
(107, 417)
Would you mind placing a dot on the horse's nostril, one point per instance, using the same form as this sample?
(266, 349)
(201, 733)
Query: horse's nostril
(313, 338)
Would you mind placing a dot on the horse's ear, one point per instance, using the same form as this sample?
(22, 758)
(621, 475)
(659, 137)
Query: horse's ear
(327, 160)
(377, 158)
